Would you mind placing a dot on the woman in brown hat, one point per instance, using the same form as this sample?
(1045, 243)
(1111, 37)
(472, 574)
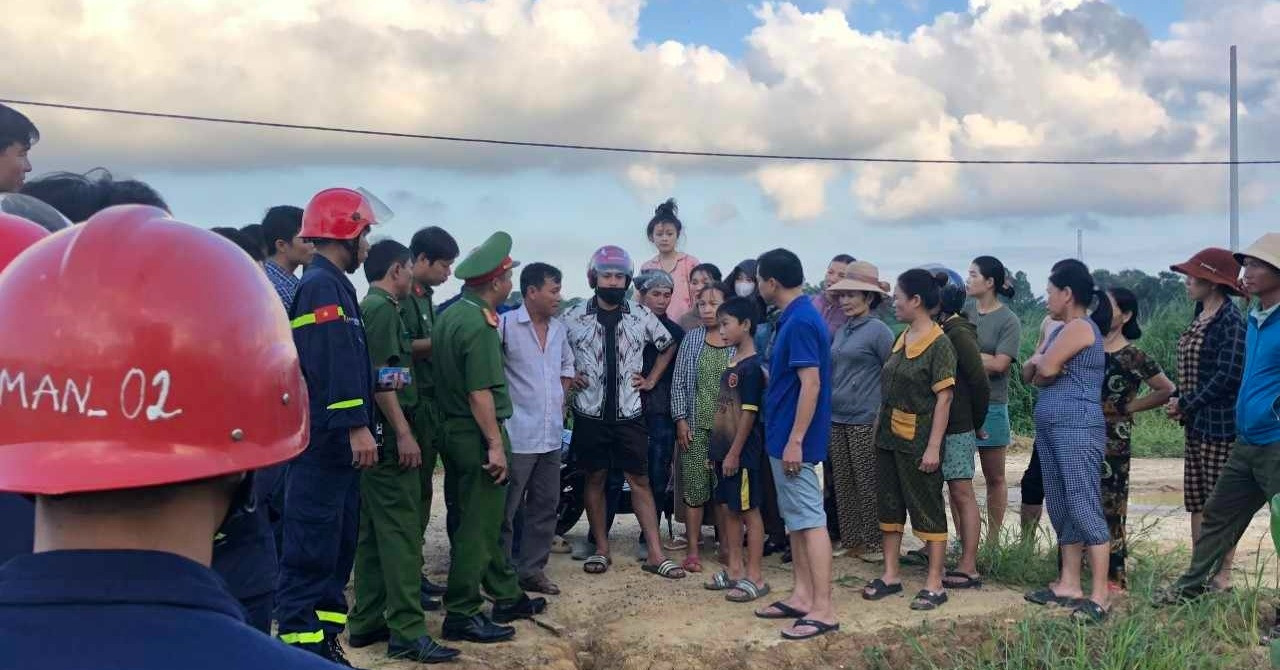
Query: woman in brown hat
(1210, 366)
(858, 353)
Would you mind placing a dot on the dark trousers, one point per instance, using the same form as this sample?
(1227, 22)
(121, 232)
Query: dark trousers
(662, 443)
(1032, 484)
(321, 522)
(533, 494)
(1249, 480)
(257, 611)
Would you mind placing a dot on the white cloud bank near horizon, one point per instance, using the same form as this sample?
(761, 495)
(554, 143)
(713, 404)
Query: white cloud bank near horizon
(1008, 79)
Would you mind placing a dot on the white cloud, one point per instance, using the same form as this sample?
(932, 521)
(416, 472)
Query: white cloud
(1005, 79)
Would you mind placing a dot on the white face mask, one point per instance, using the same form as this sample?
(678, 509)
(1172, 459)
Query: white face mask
(744, 289)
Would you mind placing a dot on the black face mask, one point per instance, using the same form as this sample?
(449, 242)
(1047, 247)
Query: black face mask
(611, 296)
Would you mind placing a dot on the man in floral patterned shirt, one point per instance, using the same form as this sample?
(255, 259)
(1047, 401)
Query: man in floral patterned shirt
(608, 335)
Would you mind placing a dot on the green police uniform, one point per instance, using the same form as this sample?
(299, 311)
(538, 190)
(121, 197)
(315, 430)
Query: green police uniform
(467, 357)
(388, 560)
(419, 315)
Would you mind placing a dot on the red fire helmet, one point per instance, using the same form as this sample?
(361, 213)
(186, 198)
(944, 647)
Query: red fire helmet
(337, 214)
(136, 351)
(16, 234)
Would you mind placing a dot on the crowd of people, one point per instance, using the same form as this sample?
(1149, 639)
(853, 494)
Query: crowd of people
(277, 434)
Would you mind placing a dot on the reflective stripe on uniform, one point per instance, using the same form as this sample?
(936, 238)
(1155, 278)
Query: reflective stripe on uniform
(346, 404)
(332, 617)
(322, 315)
(303, 638)
(744, 491)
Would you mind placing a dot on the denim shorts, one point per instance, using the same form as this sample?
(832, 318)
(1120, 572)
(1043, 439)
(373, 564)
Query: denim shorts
(799, 497)
(999, 434)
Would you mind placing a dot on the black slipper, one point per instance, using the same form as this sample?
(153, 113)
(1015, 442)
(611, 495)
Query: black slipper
(966, 581)
(1046, 596)
(927, 600)
(818, 627)
(785, 611)
(880, 590)
(1088, 611)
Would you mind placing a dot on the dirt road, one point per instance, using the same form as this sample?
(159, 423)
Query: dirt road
(635, 621)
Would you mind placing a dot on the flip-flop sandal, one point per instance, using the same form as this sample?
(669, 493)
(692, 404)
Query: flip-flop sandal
(719, 582)
(784, 611)
(691, 564)
(597, 565)
(676, 544)
(667, 568)
(927, 600)
(749, 591)
(1089, 612)
(818, 627)
(965, 581)
(915, 557)
(1046, 596)
(880, 590)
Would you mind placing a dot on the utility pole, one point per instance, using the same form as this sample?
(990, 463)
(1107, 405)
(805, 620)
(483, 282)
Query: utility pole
(1235, 158)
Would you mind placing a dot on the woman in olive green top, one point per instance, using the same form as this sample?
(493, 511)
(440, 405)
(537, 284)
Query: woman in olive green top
(918, 384)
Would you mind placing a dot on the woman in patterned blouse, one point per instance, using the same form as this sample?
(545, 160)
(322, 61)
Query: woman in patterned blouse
(1127, 367)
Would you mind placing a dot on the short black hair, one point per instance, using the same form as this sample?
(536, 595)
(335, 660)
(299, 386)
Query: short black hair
(781, 265)
(254, 232)
(708, 269)
(535, 275)
(435, 242)
(16, 128)
(80, 196)
(742, 309)
(383, 254)
(843, 258)
(919, 282)
(241, 240)
(280, 223)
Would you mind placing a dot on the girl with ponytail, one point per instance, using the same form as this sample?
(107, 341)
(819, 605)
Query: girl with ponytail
(1071, 437)
(664, 232)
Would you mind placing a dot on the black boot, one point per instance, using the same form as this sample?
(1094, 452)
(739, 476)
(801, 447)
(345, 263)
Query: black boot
(333, 652)
(422, 650)
(432, 590)
(357, 640)
(478, 629)
(524, 608)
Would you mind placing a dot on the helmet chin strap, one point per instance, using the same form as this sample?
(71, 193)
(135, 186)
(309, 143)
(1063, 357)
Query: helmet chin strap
(243, 502)
(353, 249)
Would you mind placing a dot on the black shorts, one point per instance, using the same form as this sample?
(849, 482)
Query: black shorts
(601, 445)
(742, 492)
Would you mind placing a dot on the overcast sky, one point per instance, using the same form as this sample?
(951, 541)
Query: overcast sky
(1003, 79)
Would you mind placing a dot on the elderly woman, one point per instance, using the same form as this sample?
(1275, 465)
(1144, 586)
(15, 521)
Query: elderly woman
(858, 353)
(1210, 367)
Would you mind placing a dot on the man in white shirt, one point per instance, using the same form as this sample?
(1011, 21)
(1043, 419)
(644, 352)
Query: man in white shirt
(539, 365)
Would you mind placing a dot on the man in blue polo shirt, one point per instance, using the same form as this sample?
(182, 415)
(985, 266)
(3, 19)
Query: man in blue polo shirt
(797, 425)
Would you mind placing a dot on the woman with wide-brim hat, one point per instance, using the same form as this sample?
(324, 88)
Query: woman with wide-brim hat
(1210, 366)
(858, 353)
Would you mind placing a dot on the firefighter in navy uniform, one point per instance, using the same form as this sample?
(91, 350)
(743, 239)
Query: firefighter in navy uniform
(144, 451)
(322, 486)
(17, 516)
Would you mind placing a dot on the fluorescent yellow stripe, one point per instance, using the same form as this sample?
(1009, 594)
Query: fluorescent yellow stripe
(751, 408)
(346, 404)
(332, 617)
(309, 319)
(303, 638)
(744, 491)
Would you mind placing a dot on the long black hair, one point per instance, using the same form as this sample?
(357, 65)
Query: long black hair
(991, 268)
(951, 297)
(665, 213)
(1126, 301)
(1075, 275)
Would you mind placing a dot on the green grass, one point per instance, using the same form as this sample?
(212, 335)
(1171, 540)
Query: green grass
(1217, 632)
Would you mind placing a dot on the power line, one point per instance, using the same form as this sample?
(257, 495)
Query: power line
(627, 150)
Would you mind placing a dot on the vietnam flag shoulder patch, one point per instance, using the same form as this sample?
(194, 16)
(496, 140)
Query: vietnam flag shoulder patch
(328, 313)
